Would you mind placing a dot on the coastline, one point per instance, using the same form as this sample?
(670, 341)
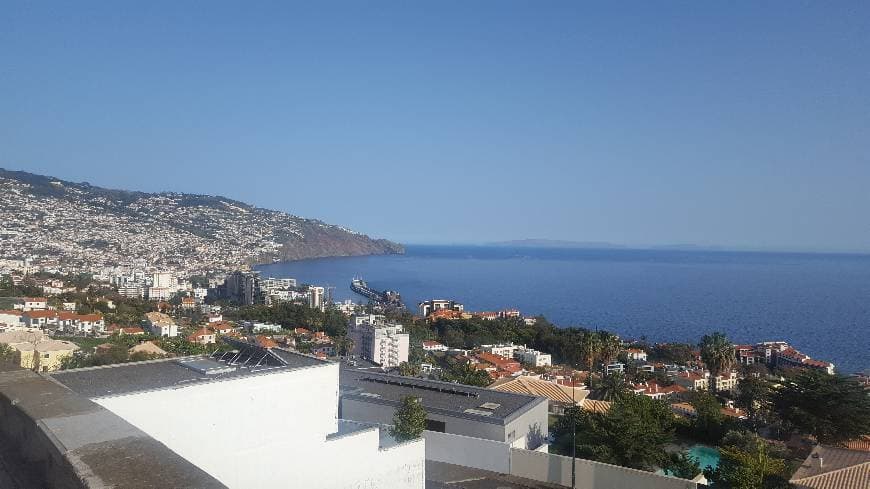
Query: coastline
(664, 296)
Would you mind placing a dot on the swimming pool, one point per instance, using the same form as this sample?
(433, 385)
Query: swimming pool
(705, 455)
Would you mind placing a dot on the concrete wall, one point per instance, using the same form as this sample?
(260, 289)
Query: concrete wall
(270, 431)
(541, 466)
(546, 467)
(467, 451)
(52, 438)
(530, 428)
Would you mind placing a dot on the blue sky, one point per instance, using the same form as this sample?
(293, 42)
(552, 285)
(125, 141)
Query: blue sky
(728, 123)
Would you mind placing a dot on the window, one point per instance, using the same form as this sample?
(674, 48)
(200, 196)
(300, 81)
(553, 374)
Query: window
(433, 425)
(46, 355)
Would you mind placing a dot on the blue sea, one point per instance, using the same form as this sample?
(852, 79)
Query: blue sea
(820, 303)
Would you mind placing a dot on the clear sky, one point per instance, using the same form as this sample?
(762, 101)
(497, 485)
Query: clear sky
(720, 123)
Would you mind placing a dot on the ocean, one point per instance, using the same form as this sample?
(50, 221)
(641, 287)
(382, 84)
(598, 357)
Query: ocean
(819, 303)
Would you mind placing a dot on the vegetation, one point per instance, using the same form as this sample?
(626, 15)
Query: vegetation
(753, 395)
(683, 465)
(409, 420)
(7, 354)
(747, 462)
(409, 369)
(579, 347)
(832, 408)
(709, 424)
(294, 315)
(609, 387)
(718, 354)
(464, 373)
(633, 433)
(672, 353)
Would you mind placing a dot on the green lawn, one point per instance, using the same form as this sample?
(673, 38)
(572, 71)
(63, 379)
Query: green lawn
(86, 344)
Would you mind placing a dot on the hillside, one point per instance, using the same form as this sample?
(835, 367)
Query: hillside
(89, 226)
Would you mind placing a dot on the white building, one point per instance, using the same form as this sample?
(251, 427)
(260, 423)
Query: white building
(160, 324)
(313, 448)
(253, 326)
(315, 297)
(164, 280)
(133, 291)
(533, 357)
(428, 307)
(11, 318)
(200, 293)
(277, 283)
(33, 304)
(505, 349)
(636, 354)
(347, 307)
(384, 344)
(431, 345)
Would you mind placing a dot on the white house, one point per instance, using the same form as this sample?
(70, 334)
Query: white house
(312, 448)
(636, 354)
(533, 357)
(160, 324)
(33, 304)
(504, 350)
(431, 345)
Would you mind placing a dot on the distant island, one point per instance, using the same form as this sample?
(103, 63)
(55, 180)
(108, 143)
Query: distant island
(556, 243)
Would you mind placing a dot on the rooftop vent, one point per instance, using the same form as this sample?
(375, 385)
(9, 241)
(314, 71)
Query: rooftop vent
(490, 405)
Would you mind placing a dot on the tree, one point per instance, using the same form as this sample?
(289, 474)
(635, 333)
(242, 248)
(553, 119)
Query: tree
(8, 354)
(610, 387)
(682, 465)
(590, 349)
(409, 420)
(709, 424)
(718, 354)
(753, 395)
(832, 408)
(608, 346)
(409, 369)
(747, 462)
(466, 374)
(633, 433)
(344, 344)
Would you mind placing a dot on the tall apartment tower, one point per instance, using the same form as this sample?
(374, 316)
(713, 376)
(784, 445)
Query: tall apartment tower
(316, 297)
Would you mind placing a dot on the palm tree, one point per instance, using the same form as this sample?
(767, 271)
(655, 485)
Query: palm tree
(718, 354)
(590, 348)
(611, 387)
(609, 345)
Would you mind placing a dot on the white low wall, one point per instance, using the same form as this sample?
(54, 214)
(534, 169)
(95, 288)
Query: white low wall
(556, 469)
(541, 466)
(467, 451)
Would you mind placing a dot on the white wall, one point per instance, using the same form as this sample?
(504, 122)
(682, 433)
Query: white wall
(269, 431)
(540, 466)
(556, 469)
(467, 451)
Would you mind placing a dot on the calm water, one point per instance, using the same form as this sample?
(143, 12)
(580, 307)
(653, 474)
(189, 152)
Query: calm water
(819, 303)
